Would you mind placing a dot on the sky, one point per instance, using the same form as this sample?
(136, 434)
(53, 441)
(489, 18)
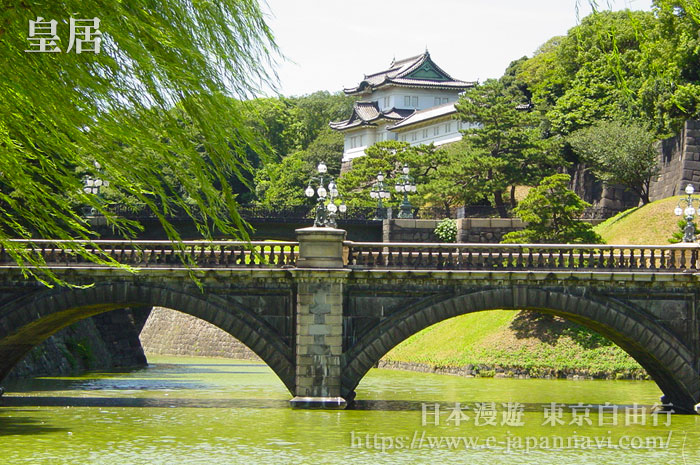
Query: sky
(332, 44)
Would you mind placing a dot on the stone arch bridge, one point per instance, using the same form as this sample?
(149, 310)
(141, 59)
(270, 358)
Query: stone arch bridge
(322, 311)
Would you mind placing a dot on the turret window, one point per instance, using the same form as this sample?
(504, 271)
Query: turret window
(410, 101)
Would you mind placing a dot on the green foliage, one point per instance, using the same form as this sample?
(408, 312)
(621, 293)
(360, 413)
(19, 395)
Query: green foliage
(283, 183)
(156, 95)
(291, 124)
(620, 65)
(504, 147)
(619, 154)
(677, 236)
(389, 157)
(297, 129)
(446, 230)
(551, 211)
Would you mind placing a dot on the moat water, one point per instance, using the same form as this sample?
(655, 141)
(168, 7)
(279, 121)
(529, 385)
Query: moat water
(203, 411)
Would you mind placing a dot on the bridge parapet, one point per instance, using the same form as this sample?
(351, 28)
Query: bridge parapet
(515, 257)
(322, 311)
(357, 255)
(193, 254)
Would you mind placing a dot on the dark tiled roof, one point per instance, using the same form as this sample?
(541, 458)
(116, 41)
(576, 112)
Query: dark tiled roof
(368, 113)
(399, 73)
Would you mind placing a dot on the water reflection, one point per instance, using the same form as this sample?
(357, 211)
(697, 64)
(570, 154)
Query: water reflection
(211, 411)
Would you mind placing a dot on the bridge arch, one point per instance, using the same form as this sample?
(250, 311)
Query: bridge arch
(667, 360)
(31, 319)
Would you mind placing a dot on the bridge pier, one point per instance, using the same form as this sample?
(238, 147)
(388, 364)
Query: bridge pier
(320, 279)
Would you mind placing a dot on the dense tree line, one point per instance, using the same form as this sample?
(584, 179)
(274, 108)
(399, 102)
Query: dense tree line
(601, 95)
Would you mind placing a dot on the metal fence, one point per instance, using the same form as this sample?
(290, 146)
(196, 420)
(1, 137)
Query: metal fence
(292, 213)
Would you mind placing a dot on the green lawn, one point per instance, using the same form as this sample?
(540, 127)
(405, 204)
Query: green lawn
(513, 342)
(652, 224)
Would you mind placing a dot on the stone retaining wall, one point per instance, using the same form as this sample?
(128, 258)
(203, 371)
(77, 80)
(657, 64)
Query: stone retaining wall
(102, 342)
(169, 332)
(679, 163)
(470, 230)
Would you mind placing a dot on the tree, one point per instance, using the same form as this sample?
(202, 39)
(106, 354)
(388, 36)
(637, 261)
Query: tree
(505, 143)
(551, 211)
(165, 71)
(283, 183)
(621, 65)
(389, 157)
(619, 154)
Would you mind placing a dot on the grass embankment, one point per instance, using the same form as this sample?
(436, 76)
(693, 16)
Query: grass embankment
(509, 343)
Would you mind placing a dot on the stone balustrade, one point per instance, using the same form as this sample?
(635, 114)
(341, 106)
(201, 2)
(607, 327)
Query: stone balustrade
(511, 257)
(194, 254)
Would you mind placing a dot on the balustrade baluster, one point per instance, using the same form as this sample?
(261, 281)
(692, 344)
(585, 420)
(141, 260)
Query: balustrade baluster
(351, 255)
(359, 256)
(551, 261)
(579, 262)
(683, 261)
(292, 257)
(279, 261)
(499, 259)
(518, 259)
(450, 265)
(469, 262)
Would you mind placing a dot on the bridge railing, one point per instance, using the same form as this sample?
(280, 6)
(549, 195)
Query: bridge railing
(513, 257)
(198, 254)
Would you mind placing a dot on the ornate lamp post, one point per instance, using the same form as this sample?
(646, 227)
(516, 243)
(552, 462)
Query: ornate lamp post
(379, 192)
(689, 212)
(405, 184)
(326, 208)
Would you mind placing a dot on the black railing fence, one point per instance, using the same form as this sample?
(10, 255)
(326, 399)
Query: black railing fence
(291, 213)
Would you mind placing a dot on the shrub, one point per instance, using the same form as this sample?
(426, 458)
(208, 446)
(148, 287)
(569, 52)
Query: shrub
(446, 230)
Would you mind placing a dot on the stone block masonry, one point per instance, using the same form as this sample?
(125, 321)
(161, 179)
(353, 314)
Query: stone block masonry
(170, 332)
(679, 163)
(319, 334)
(469, 230)
(103, 342)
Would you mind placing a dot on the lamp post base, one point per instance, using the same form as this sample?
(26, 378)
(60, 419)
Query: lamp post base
(406, 211)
